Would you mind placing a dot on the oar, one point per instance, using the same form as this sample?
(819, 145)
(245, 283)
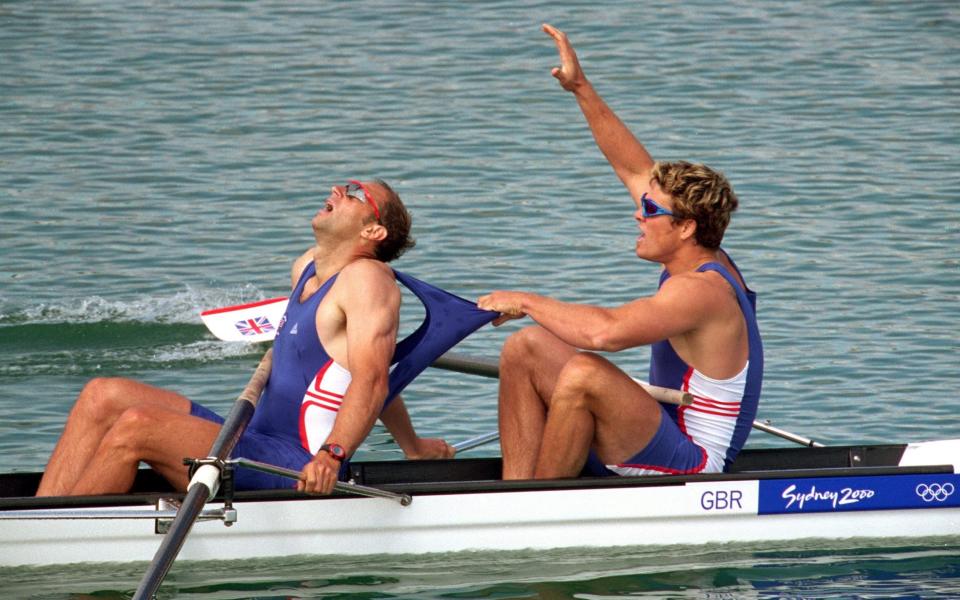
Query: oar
(476, 441)
(452, 361)
(768, 428)
(340, 486)
(203, 485)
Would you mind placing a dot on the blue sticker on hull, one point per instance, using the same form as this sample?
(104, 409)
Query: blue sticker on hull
(831, 494)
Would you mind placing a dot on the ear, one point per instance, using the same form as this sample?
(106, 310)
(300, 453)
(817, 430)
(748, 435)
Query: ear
(374, 232)
(688, 229)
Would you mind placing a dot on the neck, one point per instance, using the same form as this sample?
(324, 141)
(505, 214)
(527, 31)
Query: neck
(691, 259)
(331, 259)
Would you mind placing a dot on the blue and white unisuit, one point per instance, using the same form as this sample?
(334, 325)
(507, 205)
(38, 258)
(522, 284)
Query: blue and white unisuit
(301, 400)
(707, 435)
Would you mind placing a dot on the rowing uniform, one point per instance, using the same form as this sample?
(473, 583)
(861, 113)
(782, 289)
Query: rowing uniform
(707, 435)
(300, 402)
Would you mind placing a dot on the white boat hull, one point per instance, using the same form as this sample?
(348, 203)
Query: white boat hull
(690, 513)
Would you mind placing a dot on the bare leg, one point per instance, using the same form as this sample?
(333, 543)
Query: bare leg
(99, 405)
(157, 436)
(594, 403)
(530, 362)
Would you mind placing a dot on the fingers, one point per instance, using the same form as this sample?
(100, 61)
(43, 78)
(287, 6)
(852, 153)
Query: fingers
(432, 448)
(319, 476)
(552, 31)
(446, 450)
(569, 73)
(559, 37)
(509, 304)
(503, 318)
(501, 302)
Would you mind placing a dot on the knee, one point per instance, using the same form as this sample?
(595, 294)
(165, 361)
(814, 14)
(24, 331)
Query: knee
(99, 400)
(127, 432)
(579, 376)
(523, 346)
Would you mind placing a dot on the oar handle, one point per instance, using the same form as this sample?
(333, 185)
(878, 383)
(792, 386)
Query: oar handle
(667, 395)
(340, 486)
(768, 428)
(473, 365)
(475, 441)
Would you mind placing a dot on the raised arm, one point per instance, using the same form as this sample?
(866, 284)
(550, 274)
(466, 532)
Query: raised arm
(628, 157)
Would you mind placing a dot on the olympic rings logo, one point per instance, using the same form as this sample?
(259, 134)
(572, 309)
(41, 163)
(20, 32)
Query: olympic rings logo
(934, 491)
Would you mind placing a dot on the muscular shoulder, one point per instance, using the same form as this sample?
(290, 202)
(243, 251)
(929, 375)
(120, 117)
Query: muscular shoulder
(707, 289)
(369, 279)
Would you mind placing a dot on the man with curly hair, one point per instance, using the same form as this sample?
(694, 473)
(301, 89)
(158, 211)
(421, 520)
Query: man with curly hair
(564, 408)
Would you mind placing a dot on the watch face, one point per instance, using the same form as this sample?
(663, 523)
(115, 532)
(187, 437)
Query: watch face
(337, 451)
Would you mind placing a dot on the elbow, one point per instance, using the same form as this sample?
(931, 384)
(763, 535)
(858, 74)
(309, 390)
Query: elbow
(381, 387)
(606, 341)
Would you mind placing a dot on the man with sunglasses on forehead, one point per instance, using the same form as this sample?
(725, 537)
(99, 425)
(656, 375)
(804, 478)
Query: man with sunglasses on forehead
(328, 382)
(566, 410)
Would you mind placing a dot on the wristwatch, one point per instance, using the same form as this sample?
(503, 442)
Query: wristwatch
(334, 450)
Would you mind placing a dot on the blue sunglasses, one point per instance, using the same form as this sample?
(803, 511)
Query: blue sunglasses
(649, 208)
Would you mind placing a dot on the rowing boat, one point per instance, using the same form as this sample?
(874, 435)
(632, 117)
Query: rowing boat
(877, 491)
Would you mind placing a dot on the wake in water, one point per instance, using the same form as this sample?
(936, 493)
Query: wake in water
(95, 335)
(182, 307)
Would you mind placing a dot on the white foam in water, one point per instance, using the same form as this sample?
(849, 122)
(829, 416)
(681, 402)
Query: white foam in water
(182, 307)
(202, 351)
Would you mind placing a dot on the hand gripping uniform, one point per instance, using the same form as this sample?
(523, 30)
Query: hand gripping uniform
(306, 387)
(707, 435)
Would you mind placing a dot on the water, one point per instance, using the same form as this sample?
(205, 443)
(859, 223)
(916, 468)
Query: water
(158, 159)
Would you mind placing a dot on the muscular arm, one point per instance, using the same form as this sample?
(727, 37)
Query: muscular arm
(683, 304)
(369, 300)
(628, 157)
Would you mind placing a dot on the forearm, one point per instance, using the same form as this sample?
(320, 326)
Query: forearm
(628, 157)
(580, 325)
(397, 421)
(359, 411)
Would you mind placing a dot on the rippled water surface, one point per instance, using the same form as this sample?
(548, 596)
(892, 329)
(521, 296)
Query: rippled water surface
(158, 159)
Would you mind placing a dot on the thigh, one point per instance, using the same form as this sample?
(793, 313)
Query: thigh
(625, 416)
(163, 438)
(117, 394)
(541, 355)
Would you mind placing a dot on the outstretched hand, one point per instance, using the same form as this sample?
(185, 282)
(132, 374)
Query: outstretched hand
(569, 73)
(508, 304)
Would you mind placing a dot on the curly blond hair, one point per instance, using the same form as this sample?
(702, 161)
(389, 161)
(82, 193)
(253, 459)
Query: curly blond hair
(698, 193)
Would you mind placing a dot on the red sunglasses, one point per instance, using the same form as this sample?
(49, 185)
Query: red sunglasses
(359, 191)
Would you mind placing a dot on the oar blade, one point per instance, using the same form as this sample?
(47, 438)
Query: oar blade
(252, 322)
